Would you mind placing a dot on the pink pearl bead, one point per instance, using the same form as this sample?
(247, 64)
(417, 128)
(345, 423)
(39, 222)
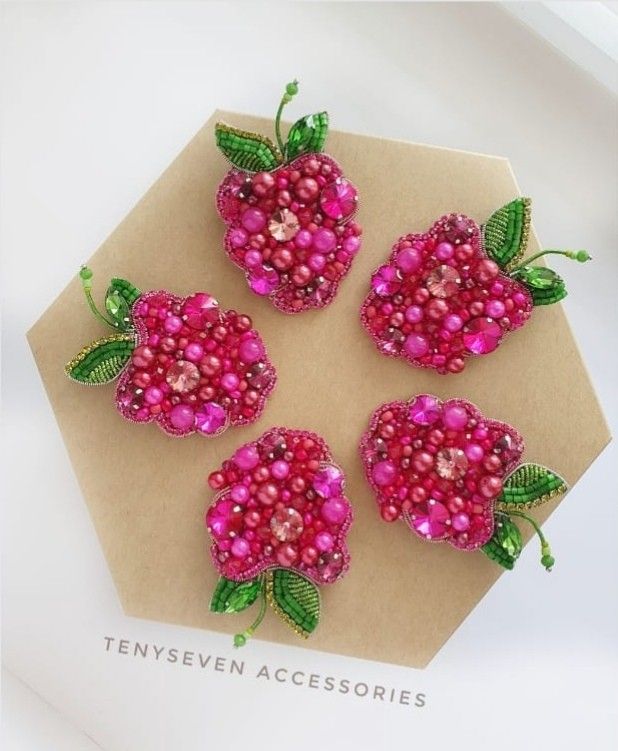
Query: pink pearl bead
(246, 457)
(455, 417)
(303, 239)
(460, 522)
(262, 183)
(324, 240)
(409, 260)
(230, 381)
(194, 352)
(142, 357)
(307, 189)
(239, 493)
(153, 395)
(486, 270)
(444, 251)
(240, 548)
(286, 555)
(280, 469)
(253, 258)
(490, 486)
(384, 473)
(316, 262)
(309, 555)
(495, 308)
(324, 541)
(352, 244)
(416, 345)
(182, 417)
(414, 314)
(268, 493)
(453, 323)
(334, 510)
(474, 452)
(238, 237)
(172, 324)
(422, 461)
(251, 350)
(253, 220)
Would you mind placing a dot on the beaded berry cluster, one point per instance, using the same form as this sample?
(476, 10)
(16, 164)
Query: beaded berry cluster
(183, 363)
(278, 526)
(458, 289)
(454, 475)
(289, 212)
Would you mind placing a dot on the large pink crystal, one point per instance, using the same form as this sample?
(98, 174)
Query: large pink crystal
(430, 519)
(338, 200)
(482, 335)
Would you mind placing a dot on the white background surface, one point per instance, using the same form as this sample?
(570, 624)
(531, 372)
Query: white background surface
(97, 99)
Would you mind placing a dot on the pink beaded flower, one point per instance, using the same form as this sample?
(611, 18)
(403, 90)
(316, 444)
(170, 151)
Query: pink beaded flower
(458, 289)
(183, 363)
(454, 475)
(278, 526)
(288, 211)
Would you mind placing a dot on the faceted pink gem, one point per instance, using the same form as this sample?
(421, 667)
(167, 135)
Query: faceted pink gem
(200, 309)
(286, 524)
(451, 463)
(386, 281)
(210, 418)
(328, 481)
(425, 410)
(263, 281)
(481, 335)
(443, 281)
(258, 375)
(329, 566)
(273, 446)
(224, 519)
(283, 225)
(183, 376)
(429, 519)
(338, 200)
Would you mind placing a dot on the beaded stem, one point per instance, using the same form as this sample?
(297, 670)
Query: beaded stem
(241, 639)
(85, 274)
(291, 90)
(546, 557)
(575, 255)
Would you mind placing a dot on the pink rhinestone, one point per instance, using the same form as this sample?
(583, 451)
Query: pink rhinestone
(224, 519)
(258, 375)
(451, 464)
(183, 376)
(328, 482)
(425, 410)
(481, 335)
(429, 519)
(338, 200)
(286, 524)
(200, 309)
(210, 418)
(283, 225)
(330, 566)
(386, 281)
(443, 281)
(273, 446)
(263, 281)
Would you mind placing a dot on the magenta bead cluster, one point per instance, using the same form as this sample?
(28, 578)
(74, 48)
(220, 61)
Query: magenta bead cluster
(291, 230)
(439, 299)
(196, 368)
(440, 466)
(280, 503)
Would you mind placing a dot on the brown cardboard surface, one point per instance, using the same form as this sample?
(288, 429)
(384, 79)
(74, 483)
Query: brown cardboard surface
(146, 492)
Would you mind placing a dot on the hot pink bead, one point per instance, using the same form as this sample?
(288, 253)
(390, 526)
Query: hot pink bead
(153, 395)
(246, 457)
(316, 262)
(444, 251)
(240, 548)
(416, 345)
(253, 258)
(352, 244)
(251, 350)
(280, 469)
(495, 308)
(253, 220)
(324, 240)
(239, 493)
(474, 452)
(338, 199)
(455, 417)
(409, 260)
(453, 322)
(335, 510)
(414, 314)
(142, 357)
(238, 237)
(172, 324)
(230, 381)
(384, 473)
(460, 522)
(303, 239)
(182, 417)
(286, 555)
(194, 352)
(324, 542)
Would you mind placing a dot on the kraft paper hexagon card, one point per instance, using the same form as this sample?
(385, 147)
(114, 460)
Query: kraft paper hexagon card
(403, 596)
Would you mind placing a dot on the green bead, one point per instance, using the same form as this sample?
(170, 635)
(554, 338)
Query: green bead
(582, 256)
(292, 89)
(239, 640)
(548, 561)
(85, 273)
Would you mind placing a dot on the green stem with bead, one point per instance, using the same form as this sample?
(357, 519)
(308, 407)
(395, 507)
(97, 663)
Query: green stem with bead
(291, 90)
(85, 275)
(546, 557)
(241, 639)
(575, 255)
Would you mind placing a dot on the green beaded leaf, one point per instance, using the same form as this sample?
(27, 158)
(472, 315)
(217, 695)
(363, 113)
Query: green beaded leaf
(127, 290)
(102, 361)
(307, 135)
(530, 485)
(294, 598)
(247, 151)
(232, 597)
(506, 544)
(506, 233)
(545, 286)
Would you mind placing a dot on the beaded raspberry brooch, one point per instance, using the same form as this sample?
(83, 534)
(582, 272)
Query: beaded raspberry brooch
(289, 212)
(184, 363)
(278, 525)
(454, 475)
(458, 289)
